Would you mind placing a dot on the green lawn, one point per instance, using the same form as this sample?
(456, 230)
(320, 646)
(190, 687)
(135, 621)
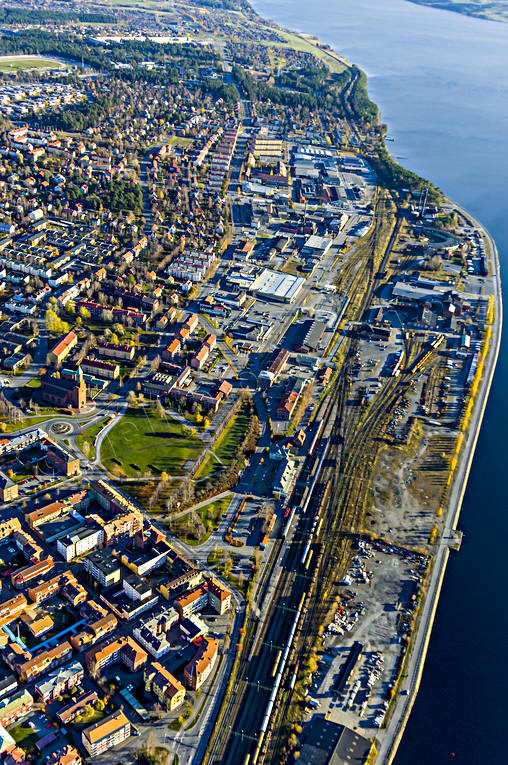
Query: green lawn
(210, 514)
(141, 442)
(15, 63)
(89, 436)
(180, 141)
(232, 437)
(209, 466)
(88, 717)
(28, 422)
(295, 42)
(227, 444)
(24, 736)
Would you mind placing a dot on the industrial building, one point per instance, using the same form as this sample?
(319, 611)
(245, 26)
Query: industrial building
(273, 285)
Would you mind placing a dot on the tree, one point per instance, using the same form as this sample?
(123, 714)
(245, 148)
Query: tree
(161, 414)
(151, 742)
(54, 323)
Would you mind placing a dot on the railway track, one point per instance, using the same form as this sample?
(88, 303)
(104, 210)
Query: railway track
(245, 725)
(355, 472)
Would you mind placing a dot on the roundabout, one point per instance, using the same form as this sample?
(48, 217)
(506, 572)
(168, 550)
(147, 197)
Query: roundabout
(61, 428)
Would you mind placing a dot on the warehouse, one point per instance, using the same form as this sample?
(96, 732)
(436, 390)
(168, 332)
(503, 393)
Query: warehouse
(313, 332)
(328, 743)
(274, 285)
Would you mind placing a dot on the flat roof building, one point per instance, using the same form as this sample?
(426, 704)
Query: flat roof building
(329, 743)
(274, 285)
(103, 568)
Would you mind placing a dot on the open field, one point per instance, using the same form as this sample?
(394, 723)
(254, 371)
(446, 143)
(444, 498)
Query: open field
(180, 141)
(24, 736)
(142, 443)
(226, 446)
(17, 63)
(141, 5)
(89, 435)
(297, 42)
(209, 515)
(28, 422)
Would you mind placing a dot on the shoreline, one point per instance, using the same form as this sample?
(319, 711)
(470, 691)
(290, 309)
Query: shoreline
(388, 745)
(387, 750)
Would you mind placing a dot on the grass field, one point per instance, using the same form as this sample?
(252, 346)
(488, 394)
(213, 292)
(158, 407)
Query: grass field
(227, 445)
(296, 42)
(88, 717)
(89, 436)
(24, 736)
(210, 515)
(143, 443)
(180, 141)
(16, 63)
(28, 422)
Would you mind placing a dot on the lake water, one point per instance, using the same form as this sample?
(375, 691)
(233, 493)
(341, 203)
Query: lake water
(441, 81)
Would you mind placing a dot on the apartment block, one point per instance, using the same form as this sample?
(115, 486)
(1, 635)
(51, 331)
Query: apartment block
(119, 649)
(94, 632)
(152, 634)
(44, 661)
(70, 711)
(103, 568)
(107, 733)
(59, 681)
(51, 587)
(116, 351)
(80, 542)
(12, 608)
(100, 368)
(62, 459)
(168, 690)
(62, 348)
(49, 512)
(200, 666)
(11, 709)
(212, 593)
(22, 576)
(9, 490)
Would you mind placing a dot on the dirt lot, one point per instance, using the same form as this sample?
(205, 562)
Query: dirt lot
(378, 599)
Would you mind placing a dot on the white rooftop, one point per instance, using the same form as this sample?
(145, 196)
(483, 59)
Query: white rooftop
(278, 285)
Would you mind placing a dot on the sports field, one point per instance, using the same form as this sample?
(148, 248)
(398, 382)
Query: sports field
(18, 63)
